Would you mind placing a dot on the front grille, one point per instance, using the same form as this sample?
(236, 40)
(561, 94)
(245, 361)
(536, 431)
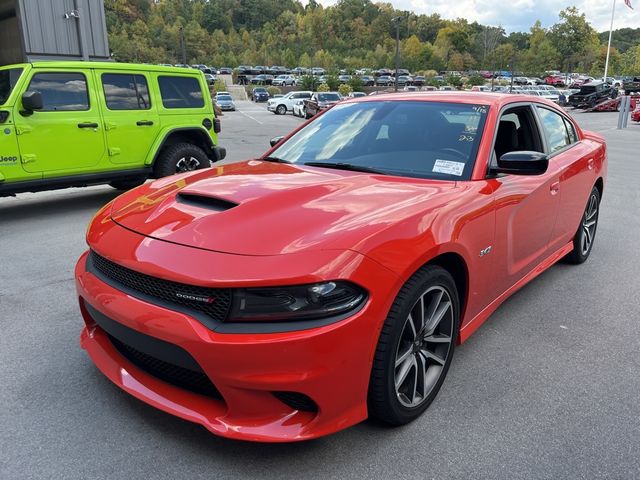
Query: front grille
(182, 377)
(215, 302)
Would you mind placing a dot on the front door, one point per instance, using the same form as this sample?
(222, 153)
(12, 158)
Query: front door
(66, 136)
(526, 206)
(131, 121)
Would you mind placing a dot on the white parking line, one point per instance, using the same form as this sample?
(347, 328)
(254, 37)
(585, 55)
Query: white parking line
(249, 116)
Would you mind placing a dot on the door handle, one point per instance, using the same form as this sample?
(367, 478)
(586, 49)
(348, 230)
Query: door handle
(87, 125)
(143, 123)
(554, 188)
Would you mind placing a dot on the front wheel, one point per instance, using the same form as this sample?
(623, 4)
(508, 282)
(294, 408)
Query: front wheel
(281, 110)
(181, 157)
(415, 348)
(586, 234)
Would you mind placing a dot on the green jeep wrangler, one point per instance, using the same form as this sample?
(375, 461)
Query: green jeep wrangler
(73, 124)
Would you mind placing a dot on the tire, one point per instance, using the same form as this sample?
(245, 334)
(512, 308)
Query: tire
(126, 184)
(307, 115)
(614, 93)
(181, 157)
(422, 358)
(281, 110)
(586, 234)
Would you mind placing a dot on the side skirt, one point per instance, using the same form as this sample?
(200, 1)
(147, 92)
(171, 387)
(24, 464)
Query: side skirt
(474, 324)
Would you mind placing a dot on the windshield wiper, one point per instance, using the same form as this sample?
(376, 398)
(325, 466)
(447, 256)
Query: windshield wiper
(346, 166)
(274, 159)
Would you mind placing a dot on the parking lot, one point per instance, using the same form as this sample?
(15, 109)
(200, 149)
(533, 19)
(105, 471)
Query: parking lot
(547, 388)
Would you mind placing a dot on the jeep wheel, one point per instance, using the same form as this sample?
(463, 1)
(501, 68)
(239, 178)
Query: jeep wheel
(281, 110)
(181, 157)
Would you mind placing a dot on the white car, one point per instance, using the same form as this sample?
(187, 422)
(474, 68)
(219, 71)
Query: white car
(284, 104)
(298, 109)
(284, 80)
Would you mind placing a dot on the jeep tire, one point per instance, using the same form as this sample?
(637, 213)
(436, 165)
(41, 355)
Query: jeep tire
(180, 157)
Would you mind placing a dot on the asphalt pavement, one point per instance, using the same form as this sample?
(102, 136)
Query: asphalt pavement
(548, 388)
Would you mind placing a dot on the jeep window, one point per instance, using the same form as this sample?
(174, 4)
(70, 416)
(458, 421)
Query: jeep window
(125, 91)
(554, 129)
(61, 91)
(180, 92)
(8, 80)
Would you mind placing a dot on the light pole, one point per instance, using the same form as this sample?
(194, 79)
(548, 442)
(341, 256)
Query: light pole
(397, 22)
(182, 46)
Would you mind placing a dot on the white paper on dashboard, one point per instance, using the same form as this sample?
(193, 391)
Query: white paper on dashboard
(448, 167)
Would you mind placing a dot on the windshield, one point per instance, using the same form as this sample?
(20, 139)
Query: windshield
(8, 80)
(432, 140)
(328, 97)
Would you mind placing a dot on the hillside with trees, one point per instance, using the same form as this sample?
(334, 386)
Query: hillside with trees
(354, 34)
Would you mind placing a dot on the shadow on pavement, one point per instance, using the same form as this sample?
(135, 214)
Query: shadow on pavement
(34, 206)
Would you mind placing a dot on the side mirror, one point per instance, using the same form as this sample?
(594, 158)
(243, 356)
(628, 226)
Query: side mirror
(522, 163)
(31, 101)
(276, 140)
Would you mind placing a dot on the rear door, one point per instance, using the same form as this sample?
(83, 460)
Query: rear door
(66, 136)
(130, 119)
(574, 162)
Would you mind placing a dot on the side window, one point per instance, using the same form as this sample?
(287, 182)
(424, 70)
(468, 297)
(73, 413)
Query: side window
(517, 131)
(571, 131)
(61, 91)
(554, 129)
(125, 91)
(180, 92)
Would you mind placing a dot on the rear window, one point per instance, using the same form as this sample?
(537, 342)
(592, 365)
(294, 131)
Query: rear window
(126, 91)
(180, 92)
(61, 91)
(328, 97)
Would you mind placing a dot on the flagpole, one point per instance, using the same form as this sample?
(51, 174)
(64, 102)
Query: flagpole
(606, 63)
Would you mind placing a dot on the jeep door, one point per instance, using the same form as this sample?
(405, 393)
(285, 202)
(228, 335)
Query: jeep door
(131, 119)
(66, 135)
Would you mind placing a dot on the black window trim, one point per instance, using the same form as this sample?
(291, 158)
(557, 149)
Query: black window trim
(134, 75)
(547, 150)
(536, 122)
(163, 75)
(86, 83)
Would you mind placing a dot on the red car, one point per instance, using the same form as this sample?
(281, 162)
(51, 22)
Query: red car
(294, 295)
(635, 114)
(555, 80)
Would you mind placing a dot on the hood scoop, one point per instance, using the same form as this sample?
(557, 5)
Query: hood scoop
(204, 201)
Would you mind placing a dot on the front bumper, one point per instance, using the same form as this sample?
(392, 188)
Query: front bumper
(330, 364)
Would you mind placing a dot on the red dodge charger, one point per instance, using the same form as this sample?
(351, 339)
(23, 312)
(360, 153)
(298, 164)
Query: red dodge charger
(291, 296)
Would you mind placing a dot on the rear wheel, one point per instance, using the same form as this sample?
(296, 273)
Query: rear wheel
(415, 347)
(586, 234)
(181, 157)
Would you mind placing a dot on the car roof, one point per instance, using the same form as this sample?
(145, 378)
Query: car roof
(115, 66)
(475, 98)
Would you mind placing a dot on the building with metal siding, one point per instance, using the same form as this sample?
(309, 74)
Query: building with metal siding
(52, 30)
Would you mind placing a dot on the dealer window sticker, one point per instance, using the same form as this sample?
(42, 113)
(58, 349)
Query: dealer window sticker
(448, 167)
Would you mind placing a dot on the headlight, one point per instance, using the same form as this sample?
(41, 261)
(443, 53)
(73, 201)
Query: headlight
(298, 302)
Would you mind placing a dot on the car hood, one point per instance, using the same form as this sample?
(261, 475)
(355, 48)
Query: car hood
(266, 208)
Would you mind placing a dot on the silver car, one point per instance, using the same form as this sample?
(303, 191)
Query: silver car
(225, 102)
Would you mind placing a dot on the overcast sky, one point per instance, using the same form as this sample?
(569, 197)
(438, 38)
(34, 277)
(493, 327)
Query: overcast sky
(519, 15)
